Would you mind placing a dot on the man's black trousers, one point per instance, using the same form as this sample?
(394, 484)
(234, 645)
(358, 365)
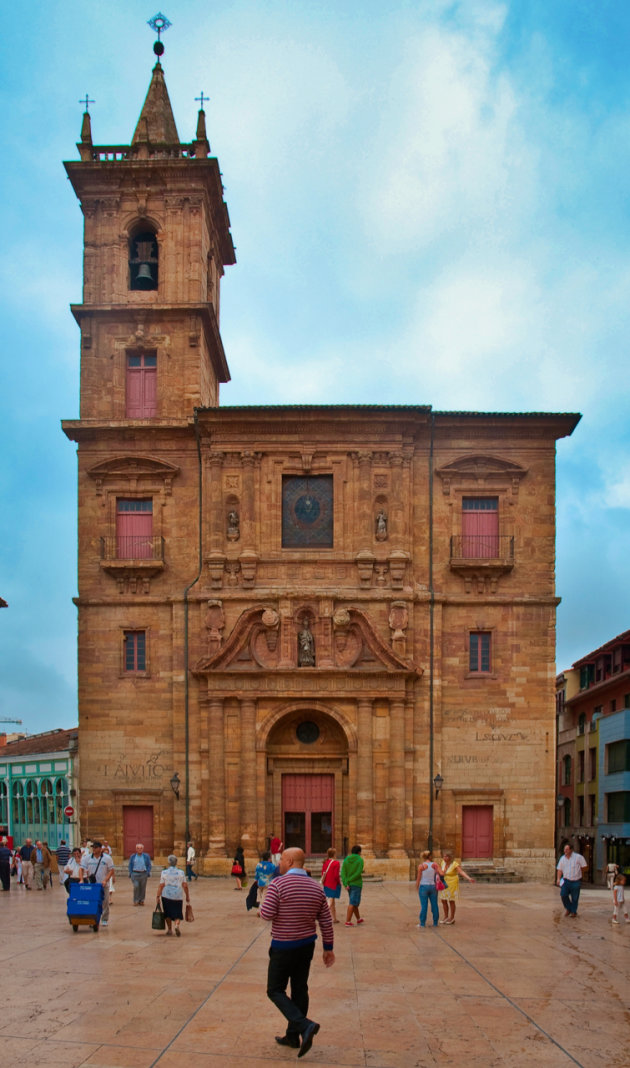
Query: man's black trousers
(290, 965)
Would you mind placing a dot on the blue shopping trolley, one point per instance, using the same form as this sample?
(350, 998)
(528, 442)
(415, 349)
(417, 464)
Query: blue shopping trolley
(85, 905)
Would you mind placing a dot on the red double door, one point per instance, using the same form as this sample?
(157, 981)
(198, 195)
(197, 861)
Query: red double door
(307, 812)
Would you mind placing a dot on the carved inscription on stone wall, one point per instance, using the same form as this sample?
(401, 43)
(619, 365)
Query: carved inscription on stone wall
(133, 770)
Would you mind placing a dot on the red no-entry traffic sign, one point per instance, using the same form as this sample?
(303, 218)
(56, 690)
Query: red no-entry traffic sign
(68, 810)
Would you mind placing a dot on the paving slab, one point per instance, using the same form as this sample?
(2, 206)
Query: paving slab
(512, 982)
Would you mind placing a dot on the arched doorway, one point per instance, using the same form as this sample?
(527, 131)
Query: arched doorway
(307, 760)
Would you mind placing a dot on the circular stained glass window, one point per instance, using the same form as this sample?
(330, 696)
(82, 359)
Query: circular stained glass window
(308, 732)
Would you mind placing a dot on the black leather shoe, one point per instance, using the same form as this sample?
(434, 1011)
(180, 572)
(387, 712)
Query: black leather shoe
(288, 1040)
(307, 1038)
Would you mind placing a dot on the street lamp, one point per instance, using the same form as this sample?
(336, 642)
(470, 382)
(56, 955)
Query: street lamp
(175, 784)
(438, 782)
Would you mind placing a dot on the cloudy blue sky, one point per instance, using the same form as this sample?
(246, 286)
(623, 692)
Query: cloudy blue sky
(430, 204)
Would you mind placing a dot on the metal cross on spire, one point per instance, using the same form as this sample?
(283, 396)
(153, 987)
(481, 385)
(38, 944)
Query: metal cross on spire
(202, 98)
(87, 103)
(159, 24)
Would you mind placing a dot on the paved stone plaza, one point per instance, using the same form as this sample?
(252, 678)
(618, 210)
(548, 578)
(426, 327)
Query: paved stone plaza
(512, 982)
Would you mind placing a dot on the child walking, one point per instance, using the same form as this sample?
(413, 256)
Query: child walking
(619, 898)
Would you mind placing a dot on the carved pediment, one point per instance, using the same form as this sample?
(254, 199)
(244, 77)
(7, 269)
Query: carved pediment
(252, 644)
(480, 470)
(124, 469)
(261, 641)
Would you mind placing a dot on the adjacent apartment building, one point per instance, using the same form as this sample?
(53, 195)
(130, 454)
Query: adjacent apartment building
(593, 773)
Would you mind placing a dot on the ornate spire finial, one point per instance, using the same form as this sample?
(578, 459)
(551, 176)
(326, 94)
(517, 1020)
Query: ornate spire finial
(199, 98)
(159, 23)
(87, 103)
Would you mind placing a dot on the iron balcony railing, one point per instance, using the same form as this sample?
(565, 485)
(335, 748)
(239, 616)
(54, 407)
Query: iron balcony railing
(133, 547)
(482, 547)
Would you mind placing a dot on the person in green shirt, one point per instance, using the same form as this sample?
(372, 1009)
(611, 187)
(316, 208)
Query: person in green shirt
(352, 879)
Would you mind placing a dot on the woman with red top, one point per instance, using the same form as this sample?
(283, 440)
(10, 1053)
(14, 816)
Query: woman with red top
(331, 882)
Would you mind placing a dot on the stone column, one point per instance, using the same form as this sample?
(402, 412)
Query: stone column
(396, 505)
(216, 519)
(396, 803)
(365, 778)
(366, 519)
(249, 820)
(216, 776)
(248, 525)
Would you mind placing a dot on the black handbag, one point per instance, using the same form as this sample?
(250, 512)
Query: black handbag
(158, 919)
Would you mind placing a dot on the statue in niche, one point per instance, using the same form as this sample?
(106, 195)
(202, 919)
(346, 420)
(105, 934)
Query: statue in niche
(306, 646)
(381, 525)
(233, 525)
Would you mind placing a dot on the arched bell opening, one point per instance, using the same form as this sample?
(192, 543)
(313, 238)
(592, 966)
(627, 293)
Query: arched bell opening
(143, 258)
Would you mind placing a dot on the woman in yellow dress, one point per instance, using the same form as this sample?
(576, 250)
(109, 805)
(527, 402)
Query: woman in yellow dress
(450, 870)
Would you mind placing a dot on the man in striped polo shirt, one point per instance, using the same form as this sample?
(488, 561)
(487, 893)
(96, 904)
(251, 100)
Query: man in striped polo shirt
(295, 903)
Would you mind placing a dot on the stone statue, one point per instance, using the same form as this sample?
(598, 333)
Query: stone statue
(306, 646)
(233, 526)
(381, 525)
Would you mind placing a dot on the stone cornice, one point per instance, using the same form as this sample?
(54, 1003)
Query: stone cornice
(154, 310)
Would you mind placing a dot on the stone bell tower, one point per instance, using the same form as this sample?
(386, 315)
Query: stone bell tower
(156, 242)
(157, 239)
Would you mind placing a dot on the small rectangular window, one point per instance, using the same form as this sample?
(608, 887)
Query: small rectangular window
(619, 807)
(581, 766)
(618, 757)
(141, 385)
(135, 650)
(479, 652)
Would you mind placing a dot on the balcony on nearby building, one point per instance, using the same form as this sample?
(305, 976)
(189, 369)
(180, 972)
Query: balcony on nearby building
(138, 553)
(490, 554)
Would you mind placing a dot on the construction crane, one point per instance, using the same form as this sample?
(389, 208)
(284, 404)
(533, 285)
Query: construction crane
(3, 719)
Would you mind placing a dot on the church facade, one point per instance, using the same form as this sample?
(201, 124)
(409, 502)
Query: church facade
(331, 623)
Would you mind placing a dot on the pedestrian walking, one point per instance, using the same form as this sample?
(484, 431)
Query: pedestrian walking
(73, 871)
(172, 890)
(265, 871)
(276, 846)
(569, 872)
(428, 872)
(352, 879)
(619, 899)
(190, 862)
(611, 870)
(331, 881)
(295, 904)
(62, 853)
(139, 872)
(238, 868)
(451, 870)
(41, 859)
(98, 868)
(27, 852)
(5, 864)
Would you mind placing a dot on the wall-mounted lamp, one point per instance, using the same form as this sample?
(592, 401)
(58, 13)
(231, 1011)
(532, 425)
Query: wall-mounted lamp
(175, 784)
(438, 782)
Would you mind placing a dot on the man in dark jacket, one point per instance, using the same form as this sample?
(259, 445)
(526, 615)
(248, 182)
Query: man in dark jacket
(27, 852)
(5, 865)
